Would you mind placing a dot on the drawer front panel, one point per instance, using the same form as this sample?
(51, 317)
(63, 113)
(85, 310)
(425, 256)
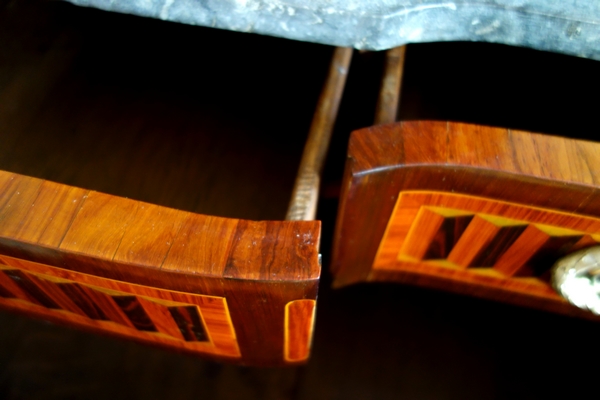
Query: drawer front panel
(209, 286)
(471, 209)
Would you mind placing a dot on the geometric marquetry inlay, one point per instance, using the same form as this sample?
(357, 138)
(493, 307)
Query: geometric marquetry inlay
(193, 283)
(480, 236)
(198, 323)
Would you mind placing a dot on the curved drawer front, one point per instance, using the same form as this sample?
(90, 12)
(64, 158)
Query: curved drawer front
(215, 287)
(477, 210)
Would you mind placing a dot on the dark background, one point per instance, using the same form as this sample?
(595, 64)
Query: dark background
(371, 341)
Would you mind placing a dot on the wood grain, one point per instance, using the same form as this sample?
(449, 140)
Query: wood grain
(115, 114)
(530, 198)
(118, 308)
(303, 203)
(136, 270)
(499, 244)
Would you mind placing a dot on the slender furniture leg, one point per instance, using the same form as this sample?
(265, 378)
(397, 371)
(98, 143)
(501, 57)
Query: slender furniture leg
(391, 86)
(303, 205)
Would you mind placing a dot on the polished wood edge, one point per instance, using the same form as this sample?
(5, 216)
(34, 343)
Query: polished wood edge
(299, 325)
(391, 86)
(303, 204)
(99, 228)
(468, 145)
(255, 266)
(460, 158)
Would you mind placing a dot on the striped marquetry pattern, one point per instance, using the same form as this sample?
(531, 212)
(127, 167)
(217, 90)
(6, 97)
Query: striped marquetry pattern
(194, 283)
(194, 322)
(226, 175)
(476, 210)
(474, 235)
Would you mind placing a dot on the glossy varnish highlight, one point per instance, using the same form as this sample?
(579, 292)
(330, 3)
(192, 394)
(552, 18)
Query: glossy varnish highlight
(514, 201)
(137, 270)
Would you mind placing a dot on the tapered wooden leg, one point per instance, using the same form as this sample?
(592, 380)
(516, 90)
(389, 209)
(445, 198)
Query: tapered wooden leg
(391, 86)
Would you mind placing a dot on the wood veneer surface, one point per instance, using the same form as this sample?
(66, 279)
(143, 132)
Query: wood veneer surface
(528, 197)
(93, 120)
(141, 268)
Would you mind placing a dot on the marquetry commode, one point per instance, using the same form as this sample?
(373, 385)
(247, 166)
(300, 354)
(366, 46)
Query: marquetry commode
(477, 210)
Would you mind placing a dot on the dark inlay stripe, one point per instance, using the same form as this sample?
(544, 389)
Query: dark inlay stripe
(23, 281)
(108, 305)
(135, 312)
(9, 286)
(78, 295)
(189, 322)
(447, 236)
(546, 256)
(503, 239)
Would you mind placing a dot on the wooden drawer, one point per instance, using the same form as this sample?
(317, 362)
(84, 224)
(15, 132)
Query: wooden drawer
(468, 208)
(144, 188)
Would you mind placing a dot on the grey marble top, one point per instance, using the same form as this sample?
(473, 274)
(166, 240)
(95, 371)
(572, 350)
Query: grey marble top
(565, 26)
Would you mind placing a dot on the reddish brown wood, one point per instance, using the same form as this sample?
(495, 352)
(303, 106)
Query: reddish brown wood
(473, 209)
(135, 270)
(121, 309)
